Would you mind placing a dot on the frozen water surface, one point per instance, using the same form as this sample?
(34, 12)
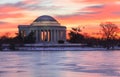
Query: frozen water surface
(60, 64)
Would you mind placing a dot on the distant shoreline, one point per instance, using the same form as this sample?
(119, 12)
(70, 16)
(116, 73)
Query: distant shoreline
(56, 47)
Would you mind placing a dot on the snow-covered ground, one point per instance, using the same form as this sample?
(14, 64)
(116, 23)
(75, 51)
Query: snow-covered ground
(60, 49)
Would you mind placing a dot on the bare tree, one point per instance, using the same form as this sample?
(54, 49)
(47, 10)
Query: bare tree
(110, 32)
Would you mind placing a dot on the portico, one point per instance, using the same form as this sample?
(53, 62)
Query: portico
(46, 30)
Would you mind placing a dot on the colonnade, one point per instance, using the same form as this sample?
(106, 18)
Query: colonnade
(46, 29)
(42, 35)
(50, 35)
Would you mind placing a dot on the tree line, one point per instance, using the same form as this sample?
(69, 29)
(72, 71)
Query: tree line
(109, 39)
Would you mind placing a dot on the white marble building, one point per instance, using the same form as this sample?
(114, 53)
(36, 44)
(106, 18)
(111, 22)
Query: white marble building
(46, 30)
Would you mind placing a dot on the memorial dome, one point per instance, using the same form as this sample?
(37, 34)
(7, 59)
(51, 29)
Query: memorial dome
(45, 20)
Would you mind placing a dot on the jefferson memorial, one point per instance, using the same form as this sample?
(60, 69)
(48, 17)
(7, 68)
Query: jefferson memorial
(46, 29)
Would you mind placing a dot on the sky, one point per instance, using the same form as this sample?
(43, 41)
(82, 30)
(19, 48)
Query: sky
(87, 14)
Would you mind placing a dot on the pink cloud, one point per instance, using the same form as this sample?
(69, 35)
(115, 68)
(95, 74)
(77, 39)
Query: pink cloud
(95, 1)
(6, 9)
(100, 10)
(108, 11)
(92, 16)
(97, 11)
(17, 15)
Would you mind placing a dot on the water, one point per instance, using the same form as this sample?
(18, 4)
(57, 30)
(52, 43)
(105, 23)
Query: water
(60, 64)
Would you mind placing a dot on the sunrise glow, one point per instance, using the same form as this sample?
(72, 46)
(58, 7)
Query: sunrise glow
(71, 13)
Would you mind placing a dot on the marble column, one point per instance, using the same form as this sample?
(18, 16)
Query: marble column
(57, 35)
(36, 35)
(40, 35)
(54, 35)
(50, 35)
(47, 35)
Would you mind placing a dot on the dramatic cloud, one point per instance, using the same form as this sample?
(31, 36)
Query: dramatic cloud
(68, 12)
(17, 15)
(95, 1)
(1, 22)
(97, 6)
(117, 13)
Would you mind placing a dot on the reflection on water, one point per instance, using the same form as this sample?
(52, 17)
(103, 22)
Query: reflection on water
(60, 64)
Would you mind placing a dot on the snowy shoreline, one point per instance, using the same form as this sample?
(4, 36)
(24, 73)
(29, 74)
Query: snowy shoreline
(64, 49)
(58, 47)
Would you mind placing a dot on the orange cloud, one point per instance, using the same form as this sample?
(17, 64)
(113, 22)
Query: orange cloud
(18, 15)
(6, 9)
(9, 11)
(93, 16)
(86, 13)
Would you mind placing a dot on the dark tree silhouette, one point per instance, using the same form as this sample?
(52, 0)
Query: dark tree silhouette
(18, 39)
(30, 38)
(76, 36)
(5, 39)
(109, 31)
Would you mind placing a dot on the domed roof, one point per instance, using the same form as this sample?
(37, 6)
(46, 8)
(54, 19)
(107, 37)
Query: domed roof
(45, 20)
